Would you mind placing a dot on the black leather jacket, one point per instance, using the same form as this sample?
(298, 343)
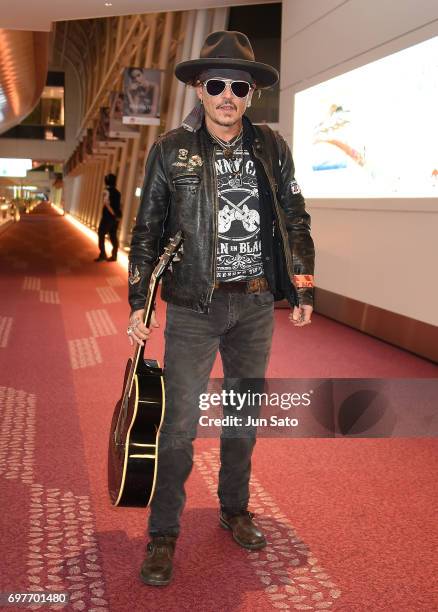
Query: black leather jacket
(179, 193)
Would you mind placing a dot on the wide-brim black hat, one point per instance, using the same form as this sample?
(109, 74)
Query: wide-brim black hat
(225, 49)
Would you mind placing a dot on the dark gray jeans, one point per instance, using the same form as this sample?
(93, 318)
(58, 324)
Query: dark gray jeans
(240, 326)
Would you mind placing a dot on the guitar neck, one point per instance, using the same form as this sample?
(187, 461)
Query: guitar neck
(138, 364)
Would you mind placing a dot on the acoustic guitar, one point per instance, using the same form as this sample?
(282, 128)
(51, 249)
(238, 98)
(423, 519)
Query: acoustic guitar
(137, 418)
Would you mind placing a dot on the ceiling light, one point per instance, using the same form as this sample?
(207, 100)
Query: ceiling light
(108, 3)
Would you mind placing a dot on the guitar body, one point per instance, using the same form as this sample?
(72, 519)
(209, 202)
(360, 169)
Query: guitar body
(133, 442)
(137, 417)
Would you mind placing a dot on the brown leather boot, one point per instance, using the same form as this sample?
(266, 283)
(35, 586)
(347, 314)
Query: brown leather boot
(157, 567)
(245, 532)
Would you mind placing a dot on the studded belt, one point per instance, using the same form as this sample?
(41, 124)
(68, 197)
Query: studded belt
(253, 285)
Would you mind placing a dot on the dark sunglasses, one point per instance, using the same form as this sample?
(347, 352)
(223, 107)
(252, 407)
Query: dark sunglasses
(215, 87)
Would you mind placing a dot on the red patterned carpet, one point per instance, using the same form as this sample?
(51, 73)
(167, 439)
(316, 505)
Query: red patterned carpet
(351, 523)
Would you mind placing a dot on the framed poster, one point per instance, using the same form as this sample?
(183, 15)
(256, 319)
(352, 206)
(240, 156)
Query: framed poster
(117, 129)
(103, 125)
(142, 88)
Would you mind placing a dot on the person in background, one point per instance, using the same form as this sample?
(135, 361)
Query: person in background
(109, 222)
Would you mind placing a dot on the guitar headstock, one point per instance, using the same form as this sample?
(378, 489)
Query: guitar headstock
(170, 253)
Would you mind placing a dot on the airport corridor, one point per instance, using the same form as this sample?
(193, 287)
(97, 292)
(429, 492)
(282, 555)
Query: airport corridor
(347, 520)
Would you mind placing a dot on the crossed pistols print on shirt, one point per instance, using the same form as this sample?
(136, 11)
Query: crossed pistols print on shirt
(238, 252)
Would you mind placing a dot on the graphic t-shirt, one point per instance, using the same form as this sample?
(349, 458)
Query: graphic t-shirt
(239, 247)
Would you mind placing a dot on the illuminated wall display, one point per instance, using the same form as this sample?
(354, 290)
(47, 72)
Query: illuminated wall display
(14, 167)
(373, 131)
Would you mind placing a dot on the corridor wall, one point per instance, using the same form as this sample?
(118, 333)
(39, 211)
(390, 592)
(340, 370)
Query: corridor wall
(379, 251)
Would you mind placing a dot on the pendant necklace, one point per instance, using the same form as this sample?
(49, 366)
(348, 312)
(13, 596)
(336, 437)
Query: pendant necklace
(229, 149)
(237, 179)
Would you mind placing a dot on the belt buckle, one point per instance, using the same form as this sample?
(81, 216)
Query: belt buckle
(253, 285)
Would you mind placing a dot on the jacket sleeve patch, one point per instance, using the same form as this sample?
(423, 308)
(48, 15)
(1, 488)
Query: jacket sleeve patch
(134, 275)
(303, 280)
(294, 187)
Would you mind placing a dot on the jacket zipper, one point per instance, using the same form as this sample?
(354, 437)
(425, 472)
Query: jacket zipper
(215, 215)
(286, 248)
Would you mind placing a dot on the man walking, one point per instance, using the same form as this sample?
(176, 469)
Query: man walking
(111, 215)
(229, 186)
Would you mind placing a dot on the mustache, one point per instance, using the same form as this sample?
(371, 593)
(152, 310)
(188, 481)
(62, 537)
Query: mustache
(227, 104)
